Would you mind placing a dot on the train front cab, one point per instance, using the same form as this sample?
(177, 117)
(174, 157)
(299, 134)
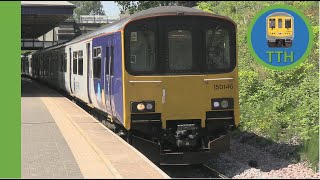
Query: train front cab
(279, 30)
(181, 84)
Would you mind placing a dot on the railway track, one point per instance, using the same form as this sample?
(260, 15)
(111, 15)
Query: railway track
(218, 174)
(174, 171)
(191, 171)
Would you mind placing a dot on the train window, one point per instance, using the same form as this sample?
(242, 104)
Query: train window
(272, 23)
(217, 49)
(80, 62)
(97, 62)
(288, 23)
(279, 23)
(142, 47)
(180, 50)
(180, 45)
(75, 57)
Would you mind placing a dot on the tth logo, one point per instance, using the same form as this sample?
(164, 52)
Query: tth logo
(280, 37)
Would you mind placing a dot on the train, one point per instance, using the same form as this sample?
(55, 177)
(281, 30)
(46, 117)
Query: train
(168, 75)
(280, 30)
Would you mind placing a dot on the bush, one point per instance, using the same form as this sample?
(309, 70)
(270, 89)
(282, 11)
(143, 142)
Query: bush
(279, 105)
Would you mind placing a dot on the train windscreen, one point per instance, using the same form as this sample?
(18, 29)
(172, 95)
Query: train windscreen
(288, 23)
(180, 45)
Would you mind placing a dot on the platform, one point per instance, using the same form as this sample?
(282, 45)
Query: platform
(61, 140)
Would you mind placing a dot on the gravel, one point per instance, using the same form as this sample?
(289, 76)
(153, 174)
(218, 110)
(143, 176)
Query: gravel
(245, 160)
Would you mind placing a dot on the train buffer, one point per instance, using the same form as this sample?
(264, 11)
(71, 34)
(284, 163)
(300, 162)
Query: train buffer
(61, 140)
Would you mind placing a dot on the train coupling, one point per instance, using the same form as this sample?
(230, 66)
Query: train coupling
(216, 146)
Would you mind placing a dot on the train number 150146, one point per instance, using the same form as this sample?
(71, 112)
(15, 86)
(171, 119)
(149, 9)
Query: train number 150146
(223, 86)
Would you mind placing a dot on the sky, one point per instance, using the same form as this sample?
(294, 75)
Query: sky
(111, 9)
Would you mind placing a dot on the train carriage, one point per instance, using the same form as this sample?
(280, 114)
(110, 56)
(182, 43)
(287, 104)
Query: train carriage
(280, 29)
(166, 74)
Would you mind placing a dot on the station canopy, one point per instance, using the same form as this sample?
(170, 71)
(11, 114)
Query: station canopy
(39, 17)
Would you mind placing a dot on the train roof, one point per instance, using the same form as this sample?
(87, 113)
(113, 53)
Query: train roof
(157, 11)
(280, 14)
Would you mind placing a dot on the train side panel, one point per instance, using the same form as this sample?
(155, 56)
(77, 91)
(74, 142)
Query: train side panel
(79, 71)
(108, 84)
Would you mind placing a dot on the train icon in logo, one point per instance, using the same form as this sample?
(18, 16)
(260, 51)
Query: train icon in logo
(280, 30)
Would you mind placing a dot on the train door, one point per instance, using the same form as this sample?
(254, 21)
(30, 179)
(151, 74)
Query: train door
(70, 69)
(107, 74)
(88, 71)
(111, 75)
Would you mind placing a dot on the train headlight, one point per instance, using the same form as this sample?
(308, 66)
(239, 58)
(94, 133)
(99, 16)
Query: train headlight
(216, 104)
(142, 106)
(149, 106)
(222, 103)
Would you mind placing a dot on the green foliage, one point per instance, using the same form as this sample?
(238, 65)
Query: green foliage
(312, 149)
(135, 6)
(279, 105)
(87, 8)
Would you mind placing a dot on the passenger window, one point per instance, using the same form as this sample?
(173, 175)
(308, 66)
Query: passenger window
(217, 49)
(288, 23)
(80, 62)
(75, 57)
(279, 23)
(180, 50)
(142, 47)
(272, 23)
(97, 63)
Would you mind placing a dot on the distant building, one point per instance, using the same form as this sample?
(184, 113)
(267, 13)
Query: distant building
(94, 19)
(100, 19)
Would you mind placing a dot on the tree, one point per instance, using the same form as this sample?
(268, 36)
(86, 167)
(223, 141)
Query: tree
(87, 8)
(135, 6)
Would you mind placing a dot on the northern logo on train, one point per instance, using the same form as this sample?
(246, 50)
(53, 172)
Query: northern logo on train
(280, 37)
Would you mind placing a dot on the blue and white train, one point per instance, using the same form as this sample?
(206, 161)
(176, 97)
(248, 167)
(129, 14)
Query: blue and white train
(167, 74)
